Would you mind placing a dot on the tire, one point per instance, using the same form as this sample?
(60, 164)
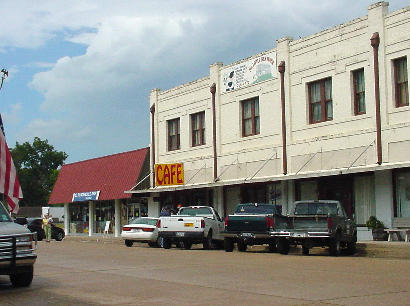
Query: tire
(228, 245)
(334, 246)
(351, 247)
(272, 246)
(60, 236)
(283, 246)
(153, 244)
(128, 243)
(22, 279)
(207, 243)
(187, 245)
(166, 243)
(242, 246)
(305, 250)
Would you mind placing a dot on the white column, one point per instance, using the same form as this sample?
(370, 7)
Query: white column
(117, 229)
(66, 219)
(290, 196)
(383, 183)
(153, 207)
(91, 217)
(219, 200)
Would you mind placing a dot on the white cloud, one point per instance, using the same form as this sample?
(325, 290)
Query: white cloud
(101, 96)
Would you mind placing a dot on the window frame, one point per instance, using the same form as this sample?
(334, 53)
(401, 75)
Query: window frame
(253, 117)
(201, 117)
(356, 93)
(175, 121)
(323, 101)
(397, 95)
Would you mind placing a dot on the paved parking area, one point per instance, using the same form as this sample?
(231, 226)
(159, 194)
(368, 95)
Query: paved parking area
(106, 272)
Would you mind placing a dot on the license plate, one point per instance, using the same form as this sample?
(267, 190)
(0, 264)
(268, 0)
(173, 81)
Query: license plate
(248, 235)
(188, 224)
(299, 235)
(180, 234)
(134, 230)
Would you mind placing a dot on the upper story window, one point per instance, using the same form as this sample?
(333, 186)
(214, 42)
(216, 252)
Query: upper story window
(358, 91)
(400, 82)
(250, 117)
(320, 100)
(198, 129)
(173, 134)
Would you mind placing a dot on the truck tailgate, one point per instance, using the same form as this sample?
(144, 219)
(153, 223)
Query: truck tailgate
(243, 223)
(181, 223)
(310, 223)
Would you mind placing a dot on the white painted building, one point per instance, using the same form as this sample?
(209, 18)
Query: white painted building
(305, 120)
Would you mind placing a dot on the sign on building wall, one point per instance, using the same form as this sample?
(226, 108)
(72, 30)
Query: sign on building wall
(249, 72)
(169, 174)
(85, 196)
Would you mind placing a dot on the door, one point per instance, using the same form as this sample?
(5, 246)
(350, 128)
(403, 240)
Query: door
(338, 188)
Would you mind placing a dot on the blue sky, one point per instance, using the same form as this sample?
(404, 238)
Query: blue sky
(80, 72)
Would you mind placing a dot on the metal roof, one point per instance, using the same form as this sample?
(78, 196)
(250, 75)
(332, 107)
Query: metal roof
(111, 175)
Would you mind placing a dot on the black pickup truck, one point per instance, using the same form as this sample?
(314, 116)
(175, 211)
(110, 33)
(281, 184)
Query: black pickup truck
(251, 224)
(321, 223)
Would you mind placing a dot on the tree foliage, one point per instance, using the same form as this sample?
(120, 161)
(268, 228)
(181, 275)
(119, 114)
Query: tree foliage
(37, 167)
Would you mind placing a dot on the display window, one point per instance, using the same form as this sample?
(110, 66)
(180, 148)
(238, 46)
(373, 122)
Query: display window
(402, 193)
(79, 218)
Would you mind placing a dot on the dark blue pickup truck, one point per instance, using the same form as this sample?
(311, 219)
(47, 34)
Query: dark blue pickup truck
(251, 224)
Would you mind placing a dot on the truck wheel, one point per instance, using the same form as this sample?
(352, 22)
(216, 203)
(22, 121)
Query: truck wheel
(187, 245)
(128, 243)
(207, 243)
(242, 246)
(283, 246)
(305, 250)
(272, 246)
(166, 243)
(351, 247)
(228, 244)
(334, 246)
(22, 279)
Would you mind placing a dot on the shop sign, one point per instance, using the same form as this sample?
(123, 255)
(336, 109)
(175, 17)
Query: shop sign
(85, 196)
(169, 174)
(251, 71)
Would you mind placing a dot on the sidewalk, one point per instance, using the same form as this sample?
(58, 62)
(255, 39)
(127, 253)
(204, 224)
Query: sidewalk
(373, 249)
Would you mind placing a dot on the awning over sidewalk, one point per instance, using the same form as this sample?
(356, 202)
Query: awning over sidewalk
(110, 175)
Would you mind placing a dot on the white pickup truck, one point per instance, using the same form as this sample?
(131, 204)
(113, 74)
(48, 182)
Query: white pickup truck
(17, 250)
(192, 225)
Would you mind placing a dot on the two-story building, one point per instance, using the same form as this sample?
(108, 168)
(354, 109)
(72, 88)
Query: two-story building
(322, 117)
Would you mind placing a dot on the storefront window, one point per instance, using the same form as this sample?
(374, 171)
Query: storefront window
(402, 181)
(78, 218)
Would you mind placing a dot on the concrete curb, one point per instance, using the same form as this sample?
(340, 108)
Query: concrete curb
(372, 249)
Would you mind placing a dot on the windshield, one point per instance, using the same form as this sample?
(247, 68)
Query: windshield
(4, 215)
(316, 209)
(144, 221)
(194, 211)
(256, 209)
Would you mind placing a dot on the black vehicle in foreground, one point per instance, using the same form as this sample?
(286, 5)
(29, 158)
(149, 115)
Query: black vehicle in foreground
(35, 225)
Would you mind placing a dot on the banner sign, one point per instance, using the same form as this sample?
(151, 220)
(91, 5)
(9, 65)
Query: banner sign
(254, 70)
(169, 174)
(85, 196)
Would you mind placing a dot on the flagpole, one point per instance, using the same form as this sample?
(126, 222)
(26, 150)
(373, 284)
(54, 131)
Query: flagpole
(5, 74)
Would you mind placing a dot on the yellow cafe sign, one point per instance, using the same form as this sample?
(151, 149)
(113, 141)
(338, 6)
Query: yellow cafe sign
(169, 174)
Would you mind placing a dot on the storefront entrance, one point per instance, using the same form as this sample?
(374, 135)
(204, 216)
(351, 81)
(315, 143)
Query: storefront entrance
(135, 210)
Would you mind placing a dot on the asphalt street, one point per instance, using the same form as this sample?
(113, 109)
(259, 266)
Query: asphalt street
(76, 272)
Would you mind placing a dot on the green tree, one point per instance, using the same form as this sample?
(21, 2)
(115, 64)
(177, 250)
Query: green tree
(37, 167)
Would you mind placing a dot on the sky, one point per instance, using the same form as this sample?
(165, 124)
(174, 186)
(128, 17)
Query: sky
(80, 72)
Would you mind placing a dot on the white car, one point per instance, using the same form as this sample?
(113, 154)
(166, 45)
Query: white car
(142, 229)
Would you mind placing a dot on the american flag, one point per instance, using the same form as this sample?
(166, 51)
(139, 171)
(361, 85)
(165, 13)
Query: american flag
(9, 183)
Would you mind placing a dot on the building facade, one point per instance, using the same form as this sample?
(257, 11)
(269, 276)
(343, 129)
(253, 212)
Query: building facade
(322, 117)
(92, 192)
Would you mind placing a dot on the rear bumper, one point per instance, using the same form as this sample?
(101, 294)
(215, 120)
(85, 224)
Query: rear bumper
(197, 236)
(301, 235)
(246, 235)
